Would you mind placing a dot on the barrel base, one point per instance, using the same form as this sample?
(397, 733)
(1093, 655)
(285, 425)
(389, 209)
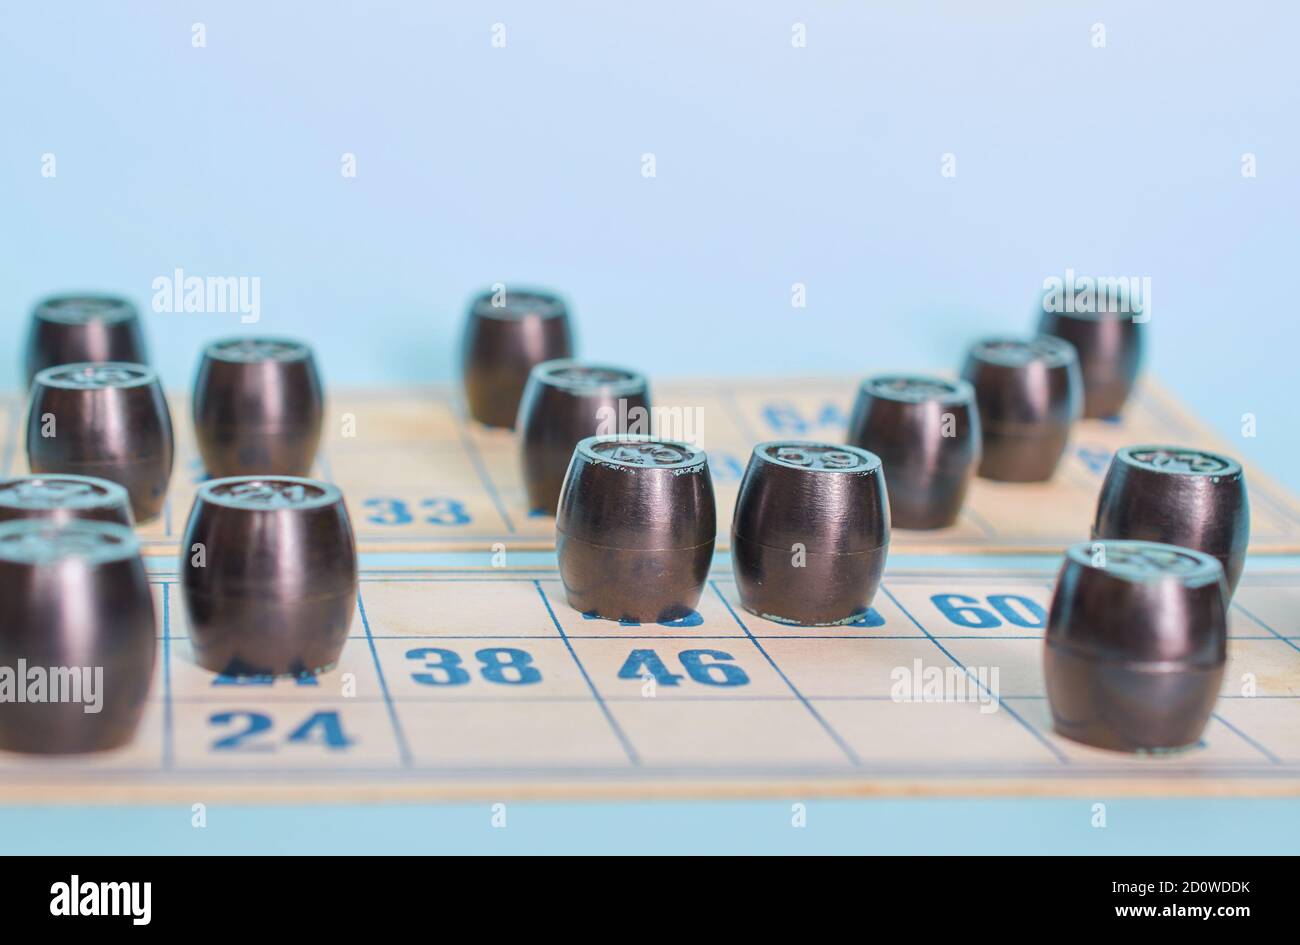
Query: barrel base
(825, 590)
(145, 481)
(1022, 457)
(1104, 398)
(644, 586)
(258, 452)
(1126, 707)
(935, 503)
(246, 637)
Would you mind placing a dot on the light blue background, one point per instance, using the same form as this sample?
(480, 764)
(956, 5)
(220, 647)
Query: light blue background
(775, 165)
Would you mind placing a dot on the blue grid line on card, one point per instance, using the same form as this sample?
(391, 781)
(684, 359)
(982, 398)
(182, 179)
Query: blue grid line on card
(628, 748)
(1253, 743)
(1254, 619)
(476, 460)
(1269, 764)
(980, 522)
(399, 735)
(1039, 736)
(403, 748)
(821, 721)
(167, 734)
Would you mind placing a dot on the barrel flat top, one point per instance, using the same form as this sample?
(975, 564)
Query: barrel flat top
(36, 541)
(1179, 460)
(84, 309)
(268, 493)
(255, 350)
(1147, 561)
(59, 492)
(97, 375)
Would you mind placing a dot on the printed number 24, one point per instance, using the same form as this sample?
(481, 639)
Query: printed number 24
(321, 728)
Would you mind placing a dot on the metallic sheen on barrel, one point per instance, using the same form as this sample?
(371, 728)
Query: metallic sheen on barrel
(568, 401)
(1029, 394)
(59, 498)
(1180, 496)
(811, 533)
(109, 421)
(507, 333)
(269, 576)
(1109, 343)
(635, 529)
(1136, 645)
(257, 407)
(71, 329)
(76, 612)
(926, 432)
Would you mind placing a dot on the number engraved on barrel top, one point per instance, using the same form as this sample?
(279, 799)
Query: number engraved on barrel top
(519, 305)
(577, 375)
(269, 493)
(1013, 351)
(916, 389)
(1143, 559)
(643, 454)
(1180, 461)
(82, 310)
(829, 458)
(259, 349)
(50, 493)
(99, 375)
(56, 541)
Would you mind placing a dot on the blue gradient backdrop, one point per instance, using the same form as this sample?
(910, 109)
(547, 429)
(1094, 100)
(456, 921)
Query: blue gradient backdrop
(775, 165)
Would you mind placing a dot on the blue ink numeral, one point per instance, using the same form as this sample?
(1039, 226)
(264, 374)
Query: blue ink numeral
(786, 418)
(446, 662)
(508, 665)
(703, 666)
(302, 680)
(445, 512)
(501, 664)
(642, 663)
(693, 619)
(1015, 609)
(1096, 458)
(712, 673)
(322, 728)
(441, 511)
(390, 512)
(256, 724)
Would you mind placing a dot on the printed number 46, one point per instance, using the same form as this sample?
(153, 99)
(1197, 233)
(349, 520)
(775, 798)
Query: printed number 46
(702, 666)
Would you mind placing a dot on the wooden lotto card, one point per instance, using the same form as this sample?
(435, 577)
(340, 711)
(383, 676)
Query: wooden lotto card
(418, 476)
(485, 684)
